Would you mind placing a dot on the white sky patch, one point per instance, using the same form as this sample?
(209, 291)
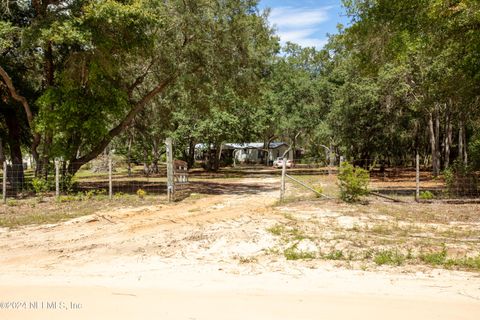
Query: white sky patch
(301, 25)
(293, 35)
(312, 42)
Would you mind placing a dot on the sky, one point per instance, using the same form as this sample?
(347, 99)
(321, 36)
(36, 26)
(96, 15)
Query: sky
(305, 22)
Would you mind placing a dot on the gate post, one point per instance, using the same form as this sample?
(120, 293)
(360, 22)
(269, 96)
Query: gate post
(170, 173)
(4, 184)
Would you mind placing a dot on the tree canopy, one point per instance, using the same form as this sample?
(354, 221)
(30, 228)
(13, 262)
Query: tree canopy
(79, 76)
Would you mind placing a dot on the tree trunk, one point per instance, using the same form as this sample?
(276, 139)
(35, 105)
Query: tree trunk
(191, 153)
(2, 155)
(16, 175)
(331, 156)
(210, 158)
(145, 162)
(155, 157)
(465, 145)
(266, 147)
(433, 145)
(216, 157)
(460, 140)
(448, 139)
(437, 139)
(129, 155)
(28, 112)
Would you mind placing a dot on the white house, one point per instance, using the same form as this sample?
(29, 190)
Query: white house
(253, 152)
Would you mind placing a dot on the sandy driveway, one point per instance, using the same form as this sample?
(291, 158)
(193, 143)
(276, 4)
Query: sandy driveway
(192, 260)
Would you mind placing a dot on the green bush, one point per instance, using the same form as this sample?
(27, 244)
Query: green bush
(68, 183)
(141, 193)
(426, 195)
(41, 185)
(90, 194)
(353, 182)
(390, 257)
(319, 189)
(434, 258)
(460, 180)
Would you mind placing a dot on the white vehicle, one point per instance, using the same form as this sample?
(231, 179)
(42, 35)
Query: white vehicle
(278, 163)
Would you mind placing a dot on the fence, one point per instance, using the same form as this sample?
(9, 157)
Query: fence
(113, 176)
(103, 176)
(411, 183)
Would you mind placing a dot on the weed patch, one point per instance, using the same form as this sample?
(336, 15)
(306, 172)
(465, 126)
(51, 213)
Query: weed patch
(389, 257)
(292, 253)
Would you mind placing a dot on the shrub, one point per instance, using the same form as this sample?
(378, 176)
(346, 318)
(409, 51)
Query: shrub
(353, 182)
(90, 194)
(119, 195)
(141, 193)
(40, 185)
(393, 258)
(335, 255)
(435, 258)
(319, 189)
(460, 180)
(68, 183)
(426, 195)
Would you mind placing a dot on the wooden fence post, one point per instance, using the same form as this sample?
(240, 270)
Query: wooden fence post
(284, 171)
(4, 186)
(417, 177)
(110, 184)
(170, 173)
(57, 179)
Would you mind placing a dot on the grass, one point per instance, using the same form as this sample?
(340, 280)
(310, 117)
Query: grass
(434, 258)
(277, 230)
(38, 218)
(335, 255)
(12, 203)
(390, 257)
(391, 234)
(441, 259)
(393, 257)
(468, 263)
(292, 253)
(288, 233)
(46, 210)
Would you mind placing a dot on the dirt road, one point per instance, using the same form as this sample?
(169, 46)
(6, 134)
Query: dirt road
(204, 258)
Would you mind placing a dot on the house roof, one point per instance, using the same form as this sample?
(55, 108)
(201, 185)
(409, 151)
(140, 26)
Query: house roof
(248, 145)
(253, 145)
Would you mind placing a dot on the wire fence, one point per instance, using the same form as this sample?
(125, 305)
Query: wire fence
(103, 176)
(115, 176)
(399, 183)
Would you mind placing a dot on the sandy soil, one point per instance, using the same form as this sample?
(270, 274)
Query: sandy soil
(204, 258)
